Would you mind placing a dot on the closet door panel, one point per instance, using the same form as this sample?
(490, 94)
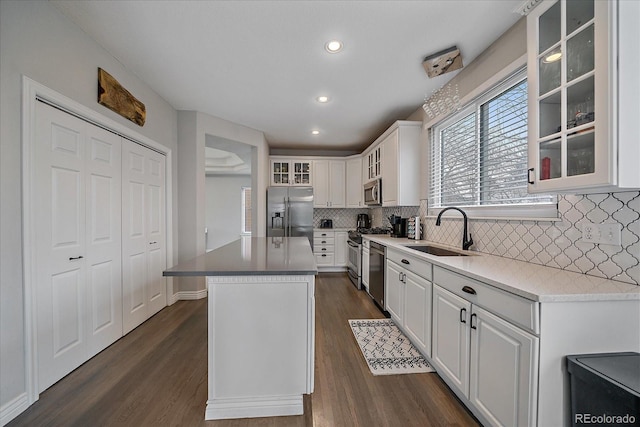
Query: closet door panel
(157, 289)
(60, 257)
(104, 237)
(134, 235)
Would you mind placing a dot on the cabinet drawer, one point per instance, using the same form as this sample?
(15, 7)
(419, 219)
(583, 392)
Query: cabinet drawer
(415, 265)
(323, 260)
(323, 241)
(323, 234)
(323, 249)
(521, 311)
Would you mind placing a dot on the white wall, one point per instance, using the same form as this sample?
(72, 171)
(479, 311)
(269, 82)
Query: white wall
(224, 208)
(38, 41)
(193, 127)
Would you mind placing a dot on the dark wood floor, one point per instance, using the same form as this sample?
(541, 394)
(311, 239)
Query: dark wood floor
(157, 376)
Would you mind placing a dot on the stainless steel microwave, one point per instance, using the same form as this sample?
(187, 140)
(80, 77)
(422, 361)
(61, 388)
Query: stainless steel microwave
(373, 193)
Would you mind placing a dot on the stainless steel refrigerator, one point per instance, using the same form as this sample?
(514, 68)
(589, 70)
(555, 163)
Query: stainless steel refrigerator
(290, 212)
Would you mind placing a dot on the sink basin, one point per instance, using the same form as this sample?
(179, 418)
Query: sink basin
(434, 250)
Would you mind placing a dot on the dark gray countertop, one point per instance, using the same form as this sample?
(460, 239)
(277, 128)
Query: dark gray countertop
(250, 256)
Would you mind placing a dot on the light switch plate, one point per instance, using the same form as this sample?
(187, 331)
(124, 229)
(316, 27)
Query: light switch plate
(607, 234)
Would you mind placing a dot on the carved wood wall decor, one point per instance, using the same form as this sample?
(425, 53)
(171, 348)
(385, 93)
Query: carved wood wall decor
(112, 95)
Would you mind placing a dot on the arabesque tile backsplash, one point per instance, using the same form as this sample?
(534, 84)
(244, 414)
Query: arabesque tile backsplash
(555, 244)
(558, 243)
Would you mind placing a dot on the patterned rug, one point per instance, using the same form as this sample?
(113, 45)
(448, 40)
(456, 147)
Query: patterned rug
(386, 349)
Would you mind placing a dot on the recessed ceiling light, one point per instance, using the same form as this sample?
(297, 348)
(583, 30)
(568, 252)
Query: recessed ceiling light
(333, 46)
(322, 99)
(315, 132)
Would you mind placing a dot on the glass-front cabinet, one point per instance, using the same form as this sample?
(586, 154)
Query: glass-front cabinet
(373, 161)
(572, 56)
(290, 172)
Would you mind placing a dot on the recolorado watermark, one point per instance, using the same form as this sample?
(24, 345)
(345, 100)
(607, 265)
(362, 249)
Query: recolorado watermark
(604, 419)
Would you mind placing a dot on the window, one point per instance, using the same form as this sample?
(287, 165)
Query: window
(246, 210)
(479, 157)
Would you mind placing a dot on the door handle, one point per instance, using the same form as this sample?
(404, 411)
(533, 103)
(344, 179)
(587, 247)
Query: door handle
(471, 323)
(73, 258)
(463, 319)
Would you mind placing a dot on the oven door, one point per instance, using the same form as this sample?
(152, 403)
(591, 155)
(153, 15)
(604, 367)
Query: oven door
(354, 262)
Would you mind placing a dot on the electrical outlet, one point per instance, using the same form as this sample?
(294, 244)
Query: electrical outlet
(607, 234)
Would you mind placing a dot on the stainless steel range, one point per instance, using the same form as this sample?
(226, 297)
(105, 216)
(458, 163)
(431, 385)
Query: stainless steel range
(354, 265)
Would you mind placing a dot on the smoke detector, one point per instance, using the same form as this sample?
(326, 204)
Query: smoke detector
(442, 62)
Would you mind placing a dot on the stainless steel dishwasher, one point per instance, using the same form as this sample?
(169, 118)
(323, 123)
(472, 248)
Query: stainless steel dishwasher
(377, 256)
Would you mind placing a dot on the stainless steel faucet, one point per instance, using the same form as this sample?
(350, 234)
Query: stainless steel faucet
(465, 243)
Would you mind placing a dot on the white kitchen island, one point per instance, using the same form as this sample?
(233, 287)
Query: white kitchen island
(261, 325)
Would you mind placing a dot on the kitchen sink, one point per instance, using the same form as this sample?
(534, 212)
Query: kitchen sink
(434, 250)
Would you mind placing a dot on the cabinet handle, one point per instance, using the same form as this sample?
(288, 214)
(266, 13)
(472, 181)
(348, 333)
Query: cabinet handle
(324, 241)
(400, 277)
(463, 315)
(471, 323)
(405, 261)
(469, 290)
(529, 172)
(323, 249)
(323, 234)
(73, 258)
(152, 243)
(324, 254)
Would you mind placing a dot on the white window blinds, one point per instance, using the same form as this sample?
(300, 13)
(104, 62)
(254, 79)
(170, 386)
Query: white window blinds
(479, 155)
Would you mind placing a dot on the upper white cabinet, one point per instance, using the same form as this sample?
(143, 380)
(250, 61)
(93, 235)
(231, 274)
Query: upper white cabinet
(290, 172)
(354, 187)
(399, 152)
(583, 96)
(329, 183)
(372, 167)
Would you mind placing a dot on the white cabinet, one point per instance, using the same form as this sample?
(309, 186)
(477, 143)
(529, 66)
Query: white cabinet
(408, 296)
(398, 151)
(329, 184)
(450, 351)
(583, 96)
(286, 171)
(489, 361)
(354, 188)
(365, 264)
(503, 370)
(324, 248)
(341, 250)
(417, 310)
(394, 292)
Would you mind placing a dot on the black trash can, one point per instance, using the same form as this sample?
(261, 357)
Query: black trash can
(605, 389)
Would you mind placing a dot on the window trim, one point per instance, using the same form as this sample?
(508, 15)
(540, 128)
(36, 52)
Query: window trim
(527, 211)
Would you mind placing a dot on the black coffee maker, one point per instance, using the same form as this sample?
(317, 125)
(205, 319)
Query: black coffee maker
(398, 226)
(363, 221)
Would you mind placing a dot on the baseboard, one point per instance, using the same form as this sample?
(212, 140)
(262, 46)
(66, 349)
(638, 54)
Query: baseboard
(273, 406)
(187, 295)
(12, 409)
(331, 269)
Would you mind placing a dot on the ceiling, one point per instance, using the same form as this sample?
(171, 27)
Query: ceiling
(262, 64)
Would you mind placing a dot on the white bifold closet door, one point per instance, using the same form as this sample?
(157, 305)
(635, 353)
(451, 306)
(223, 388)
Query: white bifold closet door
(77, 210)
(143, 231)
